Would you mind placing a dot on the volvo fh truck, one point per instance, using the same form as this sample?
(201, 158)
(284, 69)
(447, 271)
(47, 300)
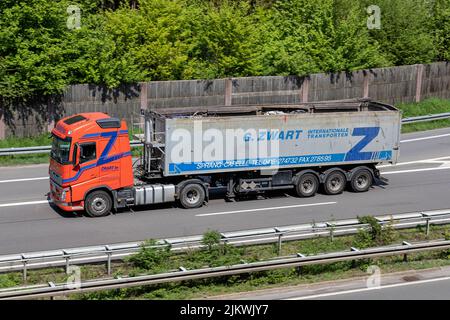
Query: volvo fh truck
(188, 152)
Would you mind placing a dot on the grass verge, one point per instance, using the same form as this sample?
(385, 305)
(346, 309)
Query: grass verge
(14, 142)
(428, 106)
(151, 261)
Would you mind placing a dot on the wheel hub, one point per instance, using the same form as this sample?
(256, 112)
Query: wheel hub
(335, 183)
(307, 186)
(192, 196)
(99, 204)
(361, 181)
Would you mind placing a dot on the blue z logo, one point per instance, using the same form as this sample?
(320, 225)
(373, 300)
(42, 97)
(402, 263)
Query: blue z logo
(369, 133)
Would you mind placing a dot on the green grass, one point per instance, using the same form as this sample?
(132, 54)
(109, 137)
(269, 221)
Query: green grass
(23, 159)
(268, 279)
(151, 261)
(423, 126)
(428, 106)
(14, 142)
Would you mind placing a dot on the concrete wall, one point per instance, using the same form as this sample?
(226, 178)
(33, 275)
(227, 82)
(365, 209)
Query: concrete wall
(392, 85)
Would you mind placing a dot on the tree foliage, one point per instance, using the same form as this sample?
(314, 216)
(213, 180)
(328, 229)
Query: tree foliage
(127, 41)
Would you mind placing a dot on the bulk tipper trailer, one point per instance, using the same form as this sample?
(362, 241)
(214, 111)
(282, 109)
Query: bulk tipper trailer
(241, 150)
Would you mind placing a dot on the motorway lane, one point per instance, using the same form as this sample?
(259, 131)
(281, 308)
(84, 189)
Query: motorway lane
(39, 227)
(22, 172)
(427, 284)
(438, 289)
(17, 191)
(412, 149)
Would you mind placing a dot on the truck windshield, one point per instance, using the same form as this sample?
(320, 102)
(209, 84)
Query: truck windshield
(60, 149)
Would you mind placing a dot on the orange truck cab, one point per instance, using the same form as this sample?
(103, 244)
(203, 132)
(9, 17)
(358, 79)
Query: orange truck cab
(90, 162)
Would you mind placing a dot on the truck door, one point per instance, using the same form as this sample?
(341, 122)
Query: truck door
(109, 161)
(86, 172)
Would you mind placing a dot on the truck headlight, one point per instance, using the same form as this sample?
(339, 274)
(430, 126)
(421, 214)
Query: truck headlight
(63, 194)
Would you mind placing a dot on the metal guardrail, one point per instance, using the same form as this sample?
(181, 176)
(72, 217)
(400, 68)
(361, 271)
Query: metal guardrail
(108, 253)
(430, 117)
(136, 143)
(298, 260)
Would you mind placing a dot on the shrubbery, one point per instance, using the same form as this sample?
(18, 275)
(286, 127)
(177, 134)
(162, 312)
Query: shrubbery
(122, 41)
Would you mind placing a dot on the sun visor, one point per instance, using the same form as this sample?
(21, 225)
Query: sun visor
(108, 123)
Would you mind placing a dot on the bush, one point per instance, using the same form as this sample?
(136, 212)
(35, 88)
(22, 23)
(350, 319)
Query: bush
(376, 235)
(123, 41)
(151, 257)
(211, 239)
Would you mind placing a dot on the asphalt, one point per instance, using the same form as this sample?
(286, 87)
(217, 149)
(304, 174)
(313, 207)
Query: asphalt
(28, 223)
(428, 284)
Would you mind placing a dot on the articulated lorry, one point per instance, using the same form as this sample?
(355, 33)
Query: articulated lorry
(242, 150)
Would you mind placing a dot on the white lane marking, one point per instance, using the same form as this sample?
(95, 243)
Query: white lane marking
(369, 289)
(265, 209)
(24, 203)
(426, 138)
(432, 160)
(402, 141)
(415, 170)
(21, 180)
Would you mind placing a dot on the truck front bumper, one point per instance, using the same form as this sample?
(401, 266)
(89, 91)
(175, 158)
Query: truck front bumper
(67, 206)
(58, 197)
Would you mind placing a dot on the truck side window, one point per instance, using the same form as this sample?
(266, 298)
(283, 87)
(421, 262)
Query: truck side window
(87, 152)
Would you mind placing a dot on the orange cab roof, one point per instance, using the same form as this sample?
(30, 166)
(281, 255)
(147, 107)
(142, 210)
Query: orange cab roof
(69, 126)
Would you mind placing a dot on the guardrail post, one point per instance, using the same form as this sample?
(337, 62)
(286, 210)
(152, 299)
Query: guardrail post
(280, 236)
(299, 268)
(108, 261)
(67, 261)
(405, 256)
(24, 275)
(225, 246)
(332, 233)
(51, 285)
(427, 231)
(354, 261)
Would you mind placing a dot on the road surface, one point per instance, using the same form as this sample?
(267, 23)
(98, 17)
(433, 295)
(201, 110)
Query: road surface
(29, 223)
(428, 284)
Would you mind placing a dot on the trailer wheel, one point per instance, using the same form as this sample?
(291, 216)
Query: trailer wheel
(192, 196)
(335, 183)
(361, 180)
(98, 204)
(307, 185)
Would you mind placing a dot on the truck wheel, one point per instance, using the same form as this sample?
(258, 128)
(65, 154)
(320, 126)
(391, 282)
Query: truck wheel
(192, 196)
(307, 185)
(361, 180)
(335, 183)
(98, 204)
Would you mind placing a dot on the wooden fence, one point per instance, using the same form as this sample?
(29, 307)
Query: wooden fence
(392, 85)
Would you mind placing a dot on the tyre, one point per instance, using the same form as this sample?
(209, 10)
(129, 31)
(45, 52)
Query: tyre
(192, 195)
(335, 183)
(361, 180)
(98, 204)
(307, 185)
